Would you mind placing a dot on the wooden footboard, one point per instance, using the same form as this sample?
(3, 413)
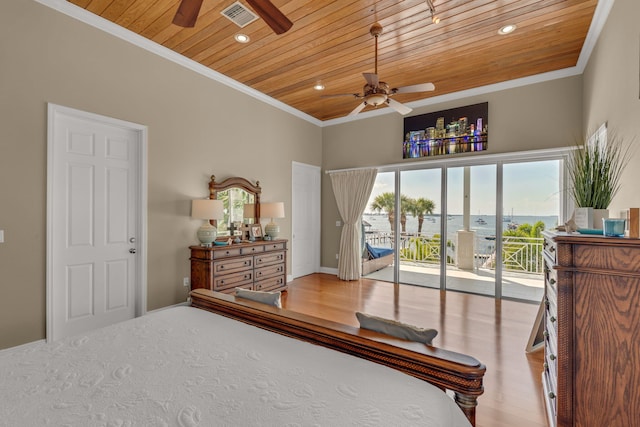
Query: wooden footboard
(447, 370)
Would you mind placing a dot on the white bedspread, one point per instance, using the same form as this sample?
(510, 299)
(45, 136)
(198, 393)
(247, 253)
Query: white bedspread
(187, 367)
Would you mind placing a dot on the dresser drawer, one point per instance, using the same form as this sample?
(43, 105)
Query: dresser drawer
(269, 270)
(242, 279)
(271, 283)
(226, 253)
(279, 246)
(550, 248)
(550, 398)
(252, 250)
(269, 258)
(232, 265)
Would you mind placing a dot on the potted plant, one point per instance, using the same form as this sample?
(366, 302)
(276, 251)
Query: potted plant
(595, 170)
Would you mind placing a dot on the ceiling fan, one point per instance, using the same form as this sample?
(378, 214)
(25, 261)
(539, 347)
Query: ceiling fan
(376, 92)
(187, 14)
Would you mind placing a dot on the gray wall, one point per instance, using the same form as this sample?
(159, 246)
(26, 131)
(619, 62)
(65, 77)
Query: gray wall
(197, 127)
(538, 116)
(612, 92)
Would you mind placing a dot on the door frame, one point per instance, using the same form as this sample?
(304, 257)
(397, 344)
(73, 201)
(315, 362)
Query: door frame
(53, 111)
(313, 223)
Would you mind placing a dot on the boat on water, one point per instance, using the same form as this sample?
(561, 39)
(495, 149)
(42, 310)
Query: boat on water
(481, 221)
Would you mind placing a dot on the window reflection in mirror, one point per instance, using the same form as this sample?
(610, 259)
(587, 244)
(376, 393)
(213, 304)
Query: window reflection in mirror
(234, 200)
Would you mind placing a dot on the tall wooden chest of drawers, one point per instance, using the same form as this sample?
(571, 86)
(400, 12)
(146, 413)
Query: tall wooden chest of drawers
(591, 371)
(260, 266)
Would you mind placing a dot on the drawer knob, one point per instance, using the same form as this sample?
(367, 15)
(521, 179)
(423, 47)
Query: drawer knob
(545, 365)
(552, 356)
(221, 267)
(552, 249)
(545, 334)
(552, 395)
(552, 281)
(552, 319)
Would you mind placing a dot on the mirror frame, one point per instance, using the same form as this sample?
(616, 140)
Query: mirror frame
(236, 182)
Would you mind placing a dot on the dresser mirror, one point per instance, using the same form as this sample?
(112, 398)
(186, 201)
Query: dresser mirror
(235, 192)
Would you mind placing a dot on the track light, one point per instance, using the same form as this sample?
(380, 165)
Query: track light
(434, 18)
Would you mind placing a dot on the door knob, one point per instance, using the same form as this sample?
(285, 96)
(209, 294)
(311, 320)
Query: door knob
(132, 251)
(132, 240)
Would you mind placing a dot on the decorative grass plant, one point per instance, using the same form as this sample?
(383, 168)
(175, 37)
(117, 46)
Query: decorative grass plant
(595, 170)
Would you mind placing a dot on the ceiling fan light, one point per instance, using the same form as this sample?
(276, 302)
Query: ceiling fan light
(376, 99)
(435, 19)
(318, 86)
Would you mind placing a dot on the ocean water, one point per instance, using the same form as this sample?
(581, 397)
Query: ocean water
(485, 226)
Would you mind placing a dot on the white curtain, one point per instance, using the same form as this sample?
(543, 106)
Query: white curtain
(352, 190)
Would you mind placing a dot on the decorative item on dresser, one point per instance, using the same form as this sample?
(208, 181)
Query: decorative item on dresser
(259, 266)
(592, 330)
(208, 210)
(271, 211)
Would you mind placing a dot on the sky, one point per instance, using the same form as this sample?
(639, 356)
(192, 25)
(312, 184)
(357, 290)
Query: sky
(530, 188)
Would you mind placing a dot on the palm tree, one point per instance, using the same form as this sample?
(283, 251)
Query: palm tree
(405, 204)
(385, 202)
(419, 207)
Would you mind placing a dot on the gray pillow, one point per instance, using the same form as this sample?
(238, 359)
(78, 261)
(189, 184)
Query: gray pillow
(269, 298)
(396, 329)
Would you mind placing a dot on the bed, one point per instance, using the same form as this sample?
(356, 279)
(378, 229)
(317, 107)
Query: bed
(185, 366)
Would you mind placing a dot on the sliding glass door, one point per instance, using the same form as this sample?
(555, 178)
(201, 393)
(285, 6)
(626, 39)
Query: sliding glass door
(420, 227)
(531, 201)
(470, 228)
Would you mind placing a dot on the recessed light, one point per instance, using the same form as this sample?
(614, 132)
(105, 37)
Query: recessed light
(318, 86)
(507, 29)
(241, 38)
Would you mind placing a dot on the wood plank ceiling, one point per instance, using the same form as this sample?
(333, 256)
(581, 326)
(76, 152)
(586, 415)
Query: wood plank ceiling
(330, 43)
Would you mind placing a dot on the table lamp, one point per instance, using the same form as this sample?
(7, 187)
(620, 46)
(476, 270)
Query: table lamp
(207, 209)
(272, 210)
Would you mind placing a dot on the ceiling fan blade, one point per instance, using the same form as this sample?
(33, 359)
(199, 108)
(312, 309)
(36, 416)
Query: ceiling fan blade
(400, 108)
(271, 15)
(371, 78)
(359, 108)
(424, 87)
(187, 13)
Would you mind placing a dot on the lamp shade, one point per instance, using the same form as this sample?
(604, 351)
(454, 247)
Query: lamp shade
(272, 210)
(207, 209)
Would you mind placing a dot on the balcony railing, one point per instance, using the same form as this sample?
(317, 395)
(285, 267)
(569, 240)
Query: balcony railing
(519, 254)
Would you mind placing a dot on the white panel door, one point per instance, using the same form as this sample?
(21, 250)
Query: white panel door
(94, 215)
(305, 221)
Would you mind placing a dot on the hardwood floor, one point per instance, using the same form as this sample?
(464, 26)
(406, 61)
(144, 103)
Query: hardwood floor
(493, 331)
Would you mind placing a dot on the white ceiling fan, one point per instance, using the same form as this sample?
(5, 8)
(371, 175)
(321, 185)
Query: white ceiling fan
(376, 92)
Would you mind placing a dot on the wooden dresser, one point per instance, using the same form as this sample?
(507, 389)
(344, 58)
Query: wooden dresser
(592, 330)
(260, 266)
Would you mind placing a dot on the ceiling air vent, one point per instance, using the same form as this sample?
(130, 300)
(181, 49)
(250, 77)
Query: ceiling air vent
(239, 14)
